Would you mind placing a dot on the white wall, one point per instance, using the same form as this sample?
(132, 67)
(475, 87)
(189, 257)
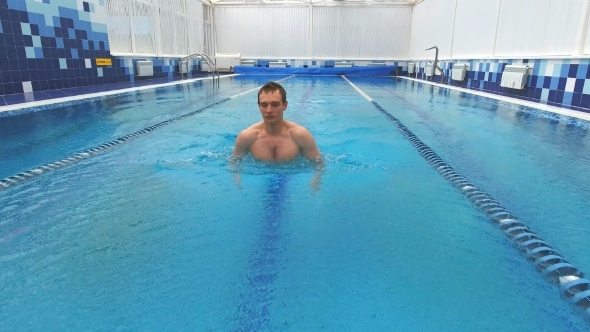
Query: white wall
(538, 27)
(586, 48)
(335, 32)
(361, 32)
(475, 28)
(262, 31)
(432, 24)
(499, 28)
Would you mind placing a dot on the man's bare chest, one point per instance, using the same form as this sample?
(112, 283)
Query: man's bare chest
(274, 149)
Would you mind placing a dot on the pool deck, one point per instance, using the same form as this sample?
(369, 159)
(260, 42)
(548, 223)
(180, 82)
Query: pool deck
(539, 106)
(42, 98)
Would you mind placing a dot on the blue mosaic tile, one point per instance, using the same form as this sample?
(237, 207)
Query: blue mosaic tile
(576, 99)
(567, 98)
(559, 96)
(565, 69)
(30, 51)
(546, 82)
(551, 96)
(561, 82)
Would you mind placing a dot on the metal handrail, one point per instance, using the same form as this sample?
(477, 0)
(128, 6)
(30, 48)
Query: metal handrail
(435, 65)
(206, 58)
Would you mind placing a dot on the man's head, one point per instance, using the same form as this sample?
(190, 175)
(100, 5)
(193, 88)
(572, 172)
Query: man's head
(272, 102)
(271, 87)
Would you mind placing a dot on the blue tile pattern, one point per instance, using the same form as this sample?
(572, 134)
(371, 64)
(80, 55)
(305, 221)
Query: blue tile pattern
(291, 63)
(48, 42)
(558, 82)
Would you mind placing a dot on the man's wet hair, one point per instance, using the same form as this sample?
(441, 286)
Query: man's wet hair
(271, 87)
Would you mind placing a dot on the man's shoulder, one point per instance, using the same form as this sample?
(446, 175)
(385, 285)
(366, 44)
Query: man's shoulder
(299, 133)
(298, 130)
(253, 130)
(249, 134)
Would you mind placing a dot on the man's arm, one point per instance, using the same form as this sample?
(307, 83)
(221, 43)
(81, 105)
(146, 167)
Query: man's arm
(307, 144)
(310, 150)
(243, 143)
(241, 148)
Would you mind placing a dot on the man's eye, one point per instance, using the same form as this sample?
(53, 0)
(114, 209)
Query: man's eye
(263, 104)
(275, 104)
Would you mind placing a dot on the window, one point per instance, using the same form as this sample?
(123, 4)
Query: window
(155, 27)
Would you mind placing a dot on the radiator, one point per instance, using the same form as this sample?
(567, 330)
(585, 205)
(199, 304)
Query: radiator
(277, 64)
(227, 61)
(184, 66)
(514, 77)
(376, 64)
(411, 67)
(145, 68)
(429, 69)
(340, 64)
(459, 71)
(248, 63)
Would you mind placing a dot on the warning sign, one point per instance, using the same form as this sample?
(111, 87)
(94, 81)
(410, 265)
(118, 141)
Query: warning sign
(104, 62)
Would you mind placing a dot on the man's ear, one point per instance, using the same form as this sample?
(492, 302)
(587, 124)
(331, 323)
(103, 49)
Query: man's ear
(286, 103)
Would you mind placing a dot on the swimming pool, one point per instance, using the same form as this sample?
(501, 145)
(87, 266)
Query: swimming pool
(154, 233)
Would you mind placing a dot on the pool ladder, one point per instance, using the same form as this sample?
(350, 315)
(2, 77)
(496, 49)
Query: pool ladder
(435, 64)
(206, 58)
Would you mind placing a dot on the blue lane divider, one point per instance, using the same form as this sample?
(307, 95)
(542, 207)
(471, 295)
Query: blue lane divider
(256, 302)
(571, 280)
(572, 284)
(254, 308)
(19, 178)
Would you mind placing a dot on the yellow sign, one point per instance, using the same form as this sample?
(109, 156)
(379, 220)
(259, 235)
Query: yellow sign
(104, 62)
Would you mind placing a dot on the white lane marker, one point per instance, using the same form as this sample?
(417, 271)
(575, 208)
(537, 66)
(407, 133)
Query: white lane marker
(357, 89)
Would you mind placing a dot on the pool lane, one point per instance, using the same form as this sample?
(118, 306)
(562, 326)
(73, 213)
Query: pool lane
(547, 260)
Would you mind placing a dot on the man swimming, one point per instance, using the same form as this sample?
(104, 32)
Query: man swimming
(275, 139)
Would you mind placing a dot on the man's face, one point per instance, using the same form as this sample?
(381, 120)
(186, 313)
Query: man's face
(271, 106)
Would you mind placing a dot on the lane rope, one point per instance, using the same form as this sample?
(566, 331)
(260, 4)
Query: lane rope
(25, 176)
(570, 280)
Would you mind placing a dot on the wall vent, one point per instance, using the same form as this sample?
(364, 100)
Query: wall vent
(227, 61)
(372, 64)
(277, 64)
(340, 64)
(184, 66)
(411, 67)
(514, 77)
(459, 71)
(429, 69)
(248, 63)
(145, 68)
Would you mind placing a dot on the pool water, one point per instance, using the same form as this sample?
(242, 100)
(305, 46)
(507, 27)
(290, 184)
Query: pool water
(161, 233)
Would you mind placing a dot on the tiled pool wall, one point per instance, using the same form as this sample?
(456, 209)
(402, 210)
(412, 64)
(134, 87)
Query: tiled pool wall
(54, 44)
(298, 63)
(557, 82)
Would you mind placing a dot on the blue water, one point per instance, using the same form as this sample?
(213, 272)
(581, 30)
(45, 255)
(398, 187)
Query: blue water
(160, 233)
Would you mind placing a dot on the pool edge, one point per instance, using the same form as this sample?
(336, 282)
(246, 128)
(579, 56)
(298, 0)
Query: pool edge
(547, 108)
(20, 106)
